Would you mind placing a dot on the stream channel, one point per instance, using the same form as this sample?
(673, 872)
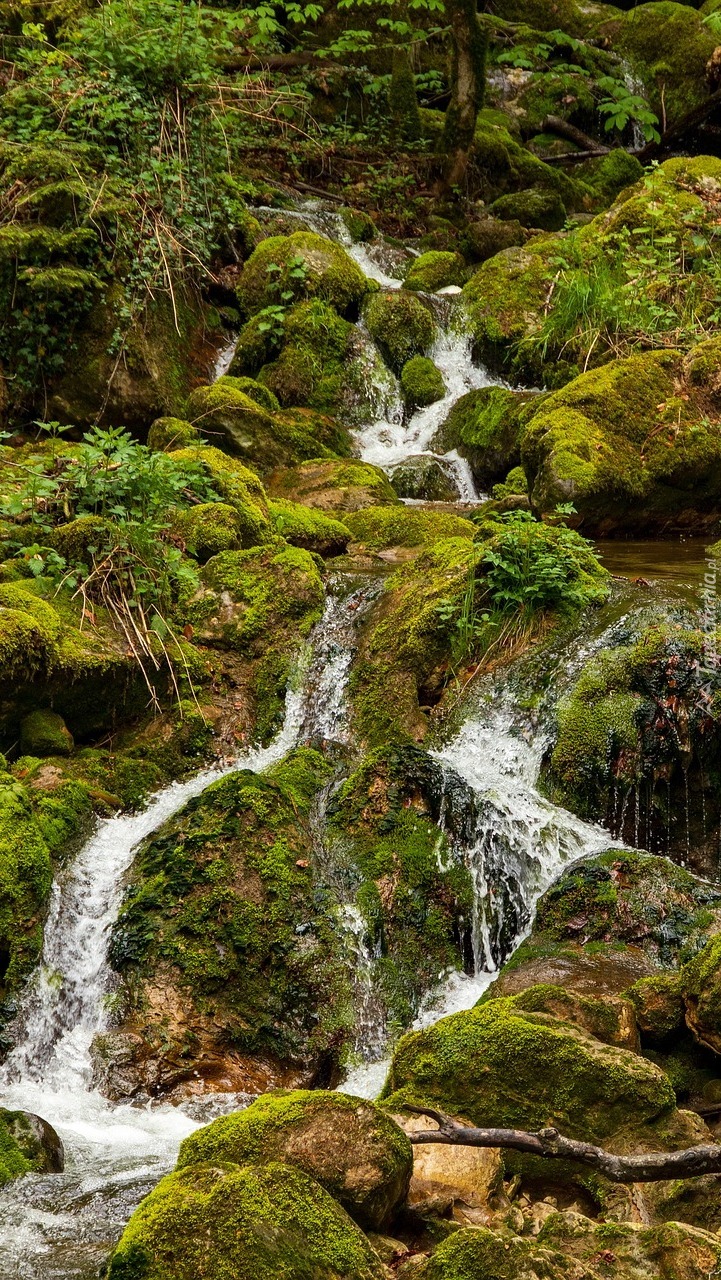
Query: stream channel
(515, 842)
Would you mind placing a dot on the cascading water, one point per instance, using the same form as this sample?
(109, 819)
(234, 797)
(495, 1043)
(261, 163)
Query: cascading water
(61, 1227)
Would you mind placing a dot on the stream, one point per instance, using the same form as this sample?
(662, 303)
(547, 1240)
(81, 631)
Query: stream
(516, 842)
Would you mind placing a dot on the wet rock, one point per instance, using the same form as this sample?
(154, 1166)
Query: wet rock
(401, 326)
(606, 1017)
(379, 528)
(37, 1141)
(426, 479)
(483, 238)
(532, 208)
(166, 434)
(337, 485)
(309, 529)
(348, 1145)
(254, 1221)
(421, 382)
(45, 733)
(486, 427)
(434, 270)
(306, 265)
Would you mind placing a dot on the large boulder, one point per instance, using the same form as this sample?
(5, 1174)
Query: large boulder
(500, 1066)
(629, 446)
(348, 1145)
(227, 414)
(243, 1223)
(486, 427)
(305, 265)
(228, 948)
(28, 1144)
(401, 326)
(700, 988)
(237, 486)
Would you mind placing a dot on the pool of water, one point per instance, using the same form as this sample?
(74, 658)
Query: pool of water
(681, 561)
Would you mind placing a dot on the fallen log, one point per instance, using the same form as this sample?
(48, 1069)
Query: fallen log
(651, 1166)
(555, 124)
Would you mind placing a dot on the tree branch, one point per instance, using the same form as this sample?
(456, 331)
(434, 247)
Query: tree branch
(554, 124)
(652, 1166)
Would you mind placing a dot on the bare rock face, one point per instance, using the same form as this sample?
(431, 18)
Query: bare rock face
(445, 1177)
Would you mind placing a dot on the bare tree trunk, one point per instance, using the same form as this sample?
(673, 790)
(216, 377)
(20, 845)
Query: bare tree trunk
(468, 83)
(653, 1166)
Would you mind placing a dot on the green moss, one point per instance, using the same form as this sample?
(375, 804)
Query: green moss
(612, 174)
(700, 983)
(166, 434)
(658, 1005)
(342, 486)
(44, 733)
(360, 225)
(218, 1223)
(515, 484)
(225, 905)
(238, 486)
(314, 365)
(312, 530)
(435, 270)
(505, 300)
(634, 899)
(210, 527)
(402, 99)
(532, 208)
(401, 326)
(331, 1137)
(309, 266)
(498, 1066)
(608, 1019)
(13, 1162)
(382, 527)
(668, 45)
(421, 382)
(486, 427)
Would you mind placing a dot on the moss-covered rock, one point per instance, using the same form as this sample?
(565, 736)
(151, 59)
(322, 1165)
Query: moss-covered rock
(483, 238)
(229, 951)
(45, 733)
(628, 446)
(347, 485)
(700, 984)
(310, 529)
(500, 1066)
(668, 46)
(359, 225)
(659, 1008)
(259, 604)
(532, 208)
(609, 1018)
(256, 391)
(209, 1221)
(306, 265)
(426, 478)
(401, 326)
(412, 890)
(421, 382)
(248, 431)
(166, 434)
(486, 427)
(27, 1145)
(505, 300)
(346, 1144)
(630, 899)
(381, 527)
(435, 270)
(238, 486)
(210, 527)
(570, 1245)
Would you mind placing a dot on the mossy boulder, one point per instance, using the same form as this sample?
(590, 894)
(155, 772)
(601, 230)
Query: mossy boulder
(359, 225)
(578, 19)
(166, 434)
(421, 382)
(45, 733)
(505, 300)
(628, 446)
(256, 391)
(381, 527)
(435, 270)
(532, 208)
(609, 1018)
(630, 899)
(613, 173)
(425, 478)
(248, 1223)
(346, 1144)
(210, 527)
(306, 265)
(401, 326)
(486, 427)
(245, 429)
(412, 889)
(668, 46)
(27, 1145)
(228, 948)
(483, 238)
(570, 1245)
(310, 529)
(238, 487)
(342, 485)
(659, 1008)
(500, 1066)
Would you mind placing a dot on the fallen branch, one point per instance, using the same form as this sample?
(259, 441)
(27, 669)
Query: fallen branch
(554, 124)
(691, 120)
(652, 1166)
